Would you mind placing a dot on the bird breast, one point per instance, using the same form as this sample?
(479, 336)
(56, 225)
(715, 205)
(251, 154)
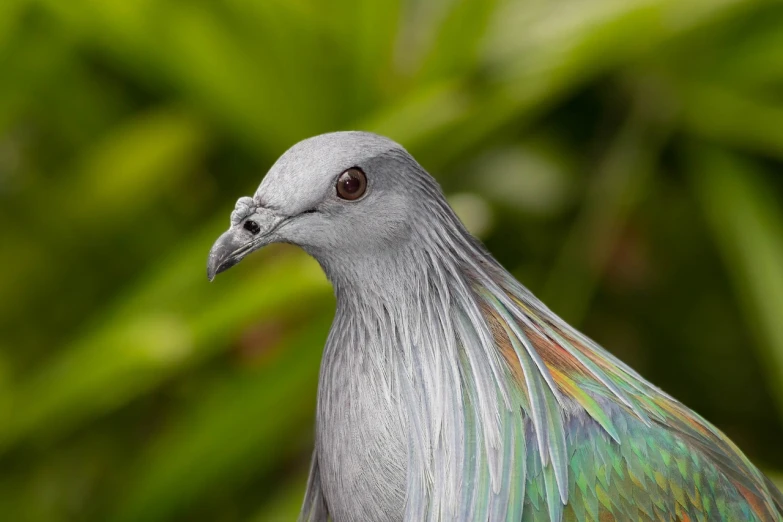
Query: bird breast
(361, 436)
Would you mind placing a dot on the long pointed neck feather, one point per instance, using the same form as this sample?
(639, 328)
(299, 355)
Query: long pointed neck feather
(490, 378)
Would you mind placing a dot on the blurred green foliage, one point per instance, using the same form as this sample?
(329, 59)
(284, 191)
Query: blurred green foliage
(622, 158)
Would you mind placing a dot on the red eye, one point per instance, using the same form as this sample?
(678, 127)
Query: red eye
(351, 184)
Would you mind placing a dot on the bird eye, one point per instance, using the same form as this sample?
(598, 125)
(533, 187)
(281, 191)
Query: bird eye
(351, 184)
(252, 227)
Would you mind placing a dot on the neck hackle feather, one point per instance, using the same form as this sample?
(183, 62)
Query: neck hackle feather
(512, 414)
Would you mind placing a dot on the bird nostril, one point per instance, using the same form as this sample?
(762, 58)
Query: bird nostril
(252, 227)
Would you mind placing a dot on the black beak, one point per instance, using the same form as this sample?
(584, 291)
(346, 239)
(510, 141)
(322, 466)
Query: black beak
(240, 240)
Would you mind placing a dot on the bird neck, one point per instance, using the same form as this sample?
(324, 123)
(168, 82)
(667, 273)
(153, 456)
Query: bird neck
(434, 253)
(451, 347)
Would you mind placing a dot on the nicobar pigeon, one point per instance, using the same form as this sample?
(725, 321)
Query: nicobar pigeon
(447, 390)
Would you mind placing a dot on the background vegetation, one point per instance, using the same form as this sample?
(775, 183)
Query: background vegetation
(622, 158)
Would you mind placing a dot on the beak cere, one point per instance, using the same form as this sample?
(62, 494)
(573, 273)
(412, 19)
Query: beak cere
(240, 240)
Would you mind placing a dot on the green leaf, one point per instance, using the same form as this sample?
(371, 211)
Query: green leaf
(747, 223)
(158, 330)
(244, 425)
(729, 117)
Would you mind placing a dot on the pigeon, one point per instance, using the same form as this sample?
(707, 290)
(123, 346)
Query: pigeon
(447, 390)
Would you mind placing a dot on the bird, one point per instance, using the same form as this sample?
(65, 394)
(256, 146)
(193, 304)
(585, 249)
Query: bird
(447, 390)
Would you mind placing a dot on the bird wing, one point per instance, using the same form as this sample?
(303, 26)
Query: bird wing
(600, 442)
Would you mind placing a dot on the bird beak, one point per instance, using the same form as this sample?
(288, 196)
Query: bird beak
(240, 240)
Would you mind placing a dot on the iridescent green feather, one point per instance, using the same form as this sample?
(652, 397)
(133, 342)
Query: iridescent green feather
(620, 448)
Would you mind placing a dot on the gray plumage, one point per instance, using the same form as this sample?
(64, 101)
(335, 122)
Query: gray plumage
(447, 391)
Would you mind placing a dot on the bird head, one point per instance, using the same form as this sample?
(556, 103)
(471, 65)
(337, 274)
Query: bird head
(340, 194)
